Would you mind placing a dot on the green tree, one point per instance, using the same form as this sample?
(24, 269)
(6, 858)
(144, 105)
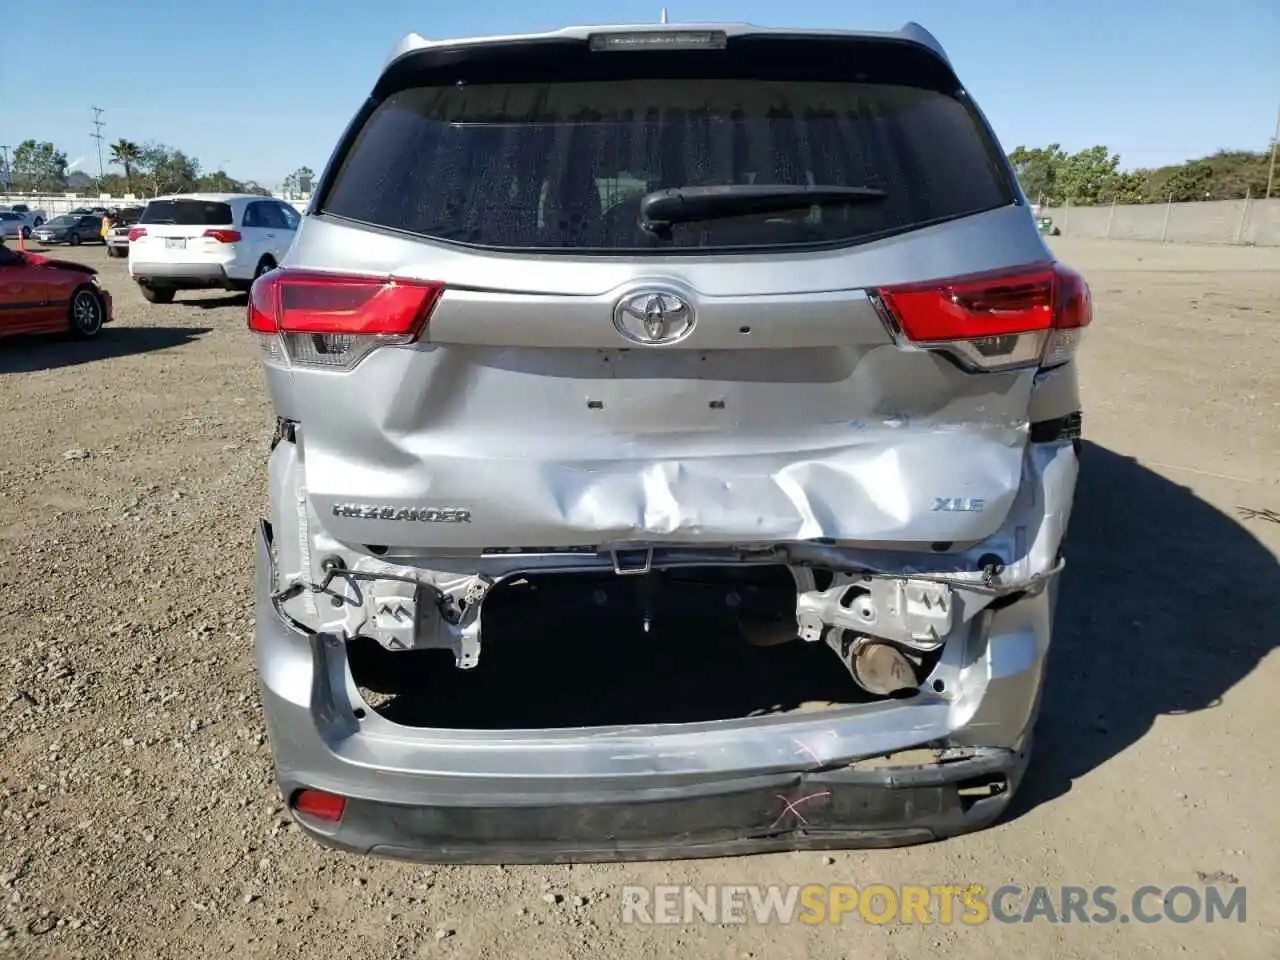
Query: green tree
(1125, 187)
(253, 186)
(167, 170)
(1089, 176)
(219, 181)
(128, 154)
(1094, 176)
(38, 167)
(1191, 181)
(1037, 169)
(113, 184)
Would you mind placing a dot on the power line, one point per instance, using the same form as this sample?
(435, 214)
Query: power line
(98, 124)
(1271, 171)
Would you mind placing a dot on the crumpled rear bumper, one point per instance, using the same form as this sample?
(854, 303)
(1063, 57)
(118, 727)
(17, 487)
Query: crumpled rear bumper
(797, 781)
(819, 809)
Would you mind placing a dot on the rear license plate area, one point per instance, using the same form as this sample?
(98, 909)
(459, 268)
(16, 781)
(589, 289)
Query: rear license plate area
(656, 392)
(175, 243)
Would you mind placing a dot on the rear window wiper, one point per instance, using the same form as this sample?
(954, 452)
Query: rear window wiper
(661, 209)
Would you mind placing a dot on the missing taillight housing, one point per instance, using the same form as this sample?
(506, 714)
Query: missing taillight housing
(1029, 316)
(336, 320)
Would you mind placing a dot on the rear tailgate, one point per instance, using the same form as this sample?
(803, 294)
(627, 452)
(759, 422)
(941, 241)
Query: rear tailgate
(531, 413)
(182, 230)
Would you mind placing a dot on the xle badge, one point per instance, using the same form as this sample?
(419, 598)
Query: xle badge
(958, 504)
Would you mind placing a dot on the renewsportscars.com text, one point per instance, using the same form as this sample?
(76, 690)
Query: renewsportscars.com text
(938, 904)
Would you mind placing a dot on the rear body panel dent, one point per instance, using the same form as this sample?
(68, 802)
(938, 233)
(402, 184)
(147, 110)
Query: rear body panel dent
(881, 488)
(527, 407)
(781, 458)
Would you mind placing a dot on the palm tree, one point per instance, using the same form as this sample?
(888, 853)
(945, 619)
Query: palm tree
(127, 154)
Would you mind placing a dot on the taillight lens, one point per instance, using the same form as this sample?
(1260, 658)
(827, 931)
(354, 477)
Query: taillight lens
(223, 236)
(336, 320)
(994, 321)
(136, 232)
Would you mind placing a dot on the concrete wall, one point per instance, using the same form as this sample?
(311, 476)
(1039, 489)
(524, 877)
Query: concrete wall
(1213, 221)
(65, 203)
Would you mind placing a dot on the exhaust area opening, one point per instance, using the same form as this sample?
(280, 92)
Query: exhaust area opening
(597, 649)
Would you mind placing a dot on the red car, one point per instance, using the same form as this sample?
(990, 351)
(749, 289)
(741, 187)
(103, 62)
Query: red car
(44, 295)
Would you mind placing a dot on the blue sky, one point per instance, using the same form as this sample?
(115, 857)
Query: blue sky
(261, 88)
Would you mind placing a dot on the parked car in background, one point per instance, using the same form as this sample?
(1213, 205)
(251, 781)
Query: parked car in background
(70, 228)
(43, 295)
(13, 225)
(817, 371)
(196, 241)
(117, 226)
(33, 218)
(82, 211)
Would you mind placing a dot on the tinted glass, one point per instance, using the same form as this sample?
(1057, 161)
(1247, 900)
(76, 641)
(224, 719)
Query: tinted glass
(189, 213)
(269, 216)
(564, 165)
(290, 216)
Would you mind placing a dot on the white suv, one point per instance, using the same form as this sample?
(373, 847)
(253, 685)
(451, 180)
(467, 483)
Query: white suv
(193, 241)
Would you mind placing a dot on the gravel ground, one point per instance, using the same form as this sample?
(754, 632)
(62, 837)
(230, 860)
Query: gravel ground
(137, 812)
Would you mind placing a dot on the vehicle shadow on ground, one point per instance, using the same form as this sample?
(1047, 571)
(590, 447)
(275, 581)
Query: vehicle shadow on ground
(1166, 604)
(29, 354)
(213, 303)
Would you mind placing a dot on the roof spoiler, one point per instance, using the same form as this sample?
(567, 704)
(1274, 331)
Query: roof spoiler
(918, 34)
(910, 31)
(410, 41)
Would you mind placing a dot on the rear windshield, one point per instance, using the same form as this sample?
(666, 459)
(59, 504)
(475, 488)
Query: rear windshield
(559, 165)
(187, 213)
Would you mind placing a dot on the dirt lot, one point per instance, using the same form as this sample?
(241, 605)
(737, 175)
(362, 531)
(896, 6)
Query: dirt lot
(137, 813)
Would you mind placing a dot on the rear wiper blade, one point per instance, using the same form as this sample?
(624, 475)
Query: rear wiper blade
(661, 209)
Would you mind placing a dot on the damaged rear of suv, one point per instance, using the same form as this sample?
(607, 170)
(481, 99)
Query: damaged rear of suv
(733, 352)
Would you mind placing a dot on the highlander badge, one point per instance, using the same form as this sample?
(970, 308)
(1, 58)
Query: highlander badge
(374, 511)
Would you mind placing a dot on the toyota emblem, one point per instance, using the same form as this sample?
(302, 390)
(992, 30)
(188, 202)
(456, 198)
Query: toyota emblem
(653, 317)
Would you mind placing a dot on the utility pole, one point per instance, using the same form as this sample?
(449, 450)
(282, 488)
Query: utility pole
(8, 171)
(98, 124)
(1271, 173)
(664, 15)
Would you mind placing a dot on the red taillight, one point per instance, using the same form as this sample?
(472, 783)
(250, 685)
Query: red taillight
(136, 232)
(335, 320)
(328, 807)
(223, 236)
(995, 320)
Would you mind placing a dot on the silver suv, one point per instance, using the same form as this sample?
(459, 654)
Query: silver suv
(677, 434)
